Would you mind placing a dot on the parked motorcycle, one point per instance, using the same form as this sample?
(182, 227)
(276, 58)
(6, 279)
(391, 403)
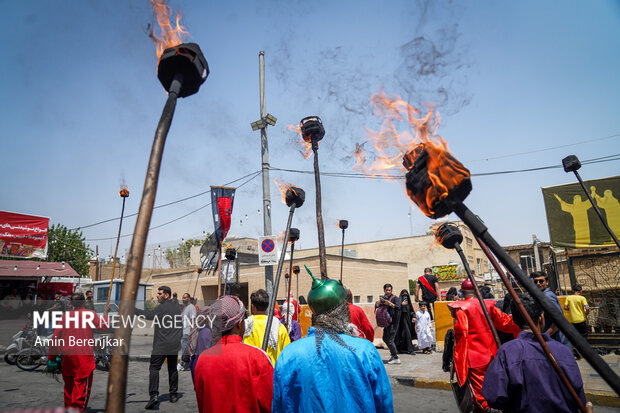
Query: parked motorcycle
(19, 342)
(103, 354)
(34, 354)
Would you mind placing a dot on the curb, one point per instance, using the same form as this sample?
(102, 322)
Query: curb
(600, 398)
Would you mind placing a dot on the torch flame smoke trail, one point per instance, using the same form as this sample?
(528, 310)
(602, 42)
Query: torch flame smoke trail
(392, 145)
(307, 151)
(170, 36)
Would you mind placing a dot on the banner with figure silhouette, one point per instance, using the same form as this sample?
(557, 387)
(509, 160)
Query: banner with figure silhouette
(572, 220)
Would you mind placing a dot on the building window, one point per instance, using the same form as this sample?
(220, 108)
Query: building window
(356, 299)
(478, 265)
(369, 298)
(469, 242)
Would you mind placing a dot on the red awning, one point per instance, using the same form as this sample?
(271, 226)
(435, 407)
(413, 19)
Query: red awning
(29, 269)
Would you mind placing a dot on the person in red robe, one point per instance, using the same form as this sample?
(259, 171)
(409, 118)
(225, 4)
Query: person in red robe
(231, 376)
(71, 341)
(359, 319)
(475, 346)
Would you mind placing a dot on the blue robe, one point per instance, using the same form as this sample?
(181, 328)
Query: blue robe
(339, 380)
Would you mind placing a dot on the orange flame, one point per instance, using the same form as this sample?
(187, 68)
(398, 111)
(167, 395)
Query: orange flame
(124, 191)
(283, 187)
(307, 151)
(391, 145)
(169, 36)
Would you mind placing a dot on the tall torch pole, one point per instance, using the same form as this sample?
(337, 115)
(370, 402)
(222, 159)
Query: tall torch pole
(181, 70)
(124, 193)
(342, 224)
(312, 131)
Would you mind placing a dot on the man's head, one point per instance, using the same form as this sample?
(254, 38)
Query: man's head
(532, 308)
(577, 289)
(89, 295)
(387, 289)
(540, 279)
(428, 271)
(187, 299)
(230, 313)
(163, 293)
(77, 300)
(58, 296)
(260, 301)
(467, 288)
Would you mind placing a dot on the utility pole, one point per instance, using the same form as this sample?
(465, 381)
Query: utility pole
(265, 119)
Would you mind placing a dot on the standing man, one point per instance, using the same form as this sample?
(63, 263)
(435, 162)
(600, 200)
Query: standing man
(89, 301)
(427, 290)
(392, 303)
(578, 308)
(330, 370)
(358, 317)
(231, 376)
(256, 324)
(189, 314)
(77, 359)
(475, 346)
(166, 342)
(520, 378)
(542, 282)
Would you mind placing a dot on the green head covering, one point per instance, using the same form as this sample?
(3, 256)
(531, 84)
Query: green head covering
(325, 295)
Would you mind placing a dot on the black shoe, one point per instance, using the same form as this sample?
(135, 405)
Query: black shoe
(174, 398)
(152, 403)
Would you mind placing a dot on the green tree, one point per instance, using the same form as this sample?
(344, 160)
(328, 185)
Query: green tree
(180, 256)
(412, 287)
(68, 246)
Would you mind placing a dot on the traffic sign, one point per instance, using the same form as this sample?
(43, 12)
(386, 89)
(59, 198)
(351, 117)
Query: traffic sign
(267, 251)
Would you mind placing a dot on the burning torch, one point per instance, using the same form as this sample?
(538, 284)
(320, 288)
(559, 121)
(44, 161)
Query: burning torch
(182, 70)
(296, 272)
(124, 193)
(342, 224)
(450, 237)
(438, 183)
(294, 198)
(293, 237)
(312, 131)
(571, 164)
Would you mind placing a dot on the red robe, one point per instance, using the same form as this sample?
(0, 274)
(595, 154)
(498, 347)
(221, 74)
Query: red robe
(232, 376)
(78, 361)
(358, 317)
(475, 346)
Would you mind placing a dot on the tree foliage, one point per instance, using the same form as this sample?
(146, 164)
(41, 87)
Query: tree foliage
(180, 256)
(64, 245)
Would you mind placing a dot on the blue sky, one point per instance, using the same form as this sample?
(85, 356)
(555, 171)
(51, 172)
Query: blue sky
(81, 102)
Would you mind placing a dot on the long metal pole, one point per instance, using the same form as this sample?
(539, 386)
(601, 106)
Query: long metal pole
(219, 270)
(342, 255)
(477, 293)
(117, 378)
(118, 238)
(290, 281)
(226, 277)
(532, 325)
(265, 167)
(598, 211)
(272, 297)
(319, 215)
(481, 231)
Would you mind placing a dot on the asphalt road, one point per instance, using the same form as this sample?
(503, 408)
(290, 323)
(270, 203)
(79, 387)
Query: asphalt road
(20, 389)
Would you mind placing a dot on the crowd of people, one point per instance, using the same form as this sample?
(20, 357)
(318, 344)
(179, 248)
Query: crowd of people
(232, 371)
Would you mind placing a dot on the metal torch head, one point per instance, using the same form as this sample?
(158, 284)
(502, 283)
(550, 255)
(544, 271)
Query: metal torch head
(231, 254)
(571, 163)
(293, 234)
(448, 235)
(187, 60)
(296, 269)
(295, 195)
(436, 180)
(343, 224)
(312, 129)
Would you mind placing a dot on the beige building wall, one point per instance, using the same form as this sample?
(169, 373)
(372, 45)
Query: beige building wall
(365, 278)
(418, 252)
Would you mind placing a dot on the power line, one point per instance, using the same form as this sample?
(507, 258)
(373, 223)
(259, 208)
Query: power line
(546, 149)
(181, 217)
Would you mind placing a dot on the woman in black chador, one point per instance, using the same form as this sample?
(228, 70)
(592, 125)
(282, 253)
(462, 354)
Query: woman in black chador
(406, 329)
